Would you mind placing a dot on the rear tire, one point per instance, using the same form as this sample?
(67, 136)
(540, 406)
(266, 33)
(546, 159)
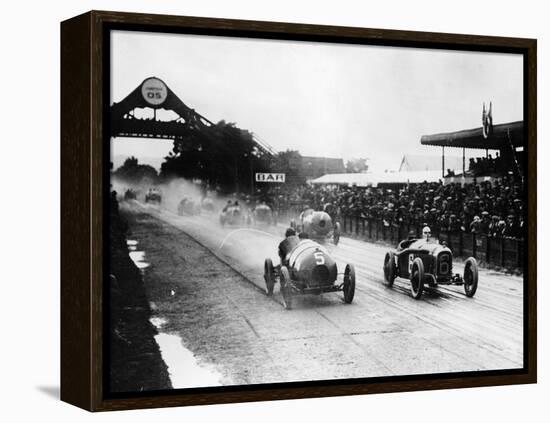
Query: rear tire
(390, 269)
(417, 278)
(269, 276)
(471, 275)
(349, 283)
(286, 288)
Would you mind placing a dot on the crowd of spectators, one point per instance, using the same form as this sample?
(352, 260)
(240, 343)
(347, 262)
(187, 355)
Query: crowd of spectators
(492, 208)
(486, 165)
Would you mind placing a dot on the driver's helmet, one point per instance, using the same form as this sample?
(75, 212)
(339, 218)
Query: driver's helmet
(426, 232)
(290, 232)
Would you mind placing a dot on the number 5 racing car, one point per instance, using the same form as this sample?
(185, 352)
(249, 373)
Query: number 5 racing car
(308, 269)
(426, 262)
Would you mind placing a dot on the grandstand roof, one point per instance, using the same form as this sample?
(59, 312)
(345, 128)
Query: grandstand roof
(499, 138)
(313, 167)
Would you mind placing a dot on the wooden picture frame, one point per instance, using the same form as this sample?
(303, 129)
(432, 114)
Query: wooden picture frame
(84, 190)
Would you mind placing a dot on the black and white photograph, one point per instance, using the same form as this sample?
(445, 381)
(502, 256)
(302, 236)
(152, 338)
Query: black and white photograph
(289, 211)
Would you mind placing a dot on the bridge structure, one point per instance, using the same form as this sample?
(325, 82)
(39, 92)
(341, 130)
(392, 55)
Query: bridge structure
(154, 94)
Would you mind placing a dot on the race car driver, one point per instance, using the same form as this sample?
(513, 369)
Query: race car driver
(288, 244)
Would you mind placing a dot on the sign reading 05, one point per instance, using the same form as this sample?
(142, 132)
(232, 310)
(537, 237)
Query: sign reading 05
(154, 91)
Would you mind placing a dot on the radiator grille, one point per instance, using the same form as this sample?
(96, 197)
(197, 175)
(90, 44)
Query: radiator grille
(444, 263)
(320, 275)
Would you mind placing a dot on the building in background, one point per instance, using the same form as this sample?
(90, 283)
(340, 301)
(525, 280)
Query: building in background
(315, 167)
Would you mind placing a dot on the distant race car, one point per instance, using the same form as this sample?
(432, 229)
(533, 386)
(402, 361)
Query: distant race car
(153, 196)
(188, 207)
(263, 215)
(232, 215)
(129, 194)
(308, 269)
(318, 226)
(207, 204)
(426, 262)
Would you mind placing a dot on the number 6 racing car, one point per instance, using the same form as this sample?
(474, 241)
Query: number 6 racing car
(308, 269)
(427, 262)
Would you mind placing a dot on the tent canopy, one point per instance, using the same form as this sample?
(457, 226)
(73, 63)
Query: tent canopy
(373, 179)
(418, 163)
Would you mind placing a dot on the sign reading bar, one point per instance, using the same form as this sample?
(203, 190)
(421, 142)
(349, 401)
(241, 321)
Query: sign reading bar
(270, 177)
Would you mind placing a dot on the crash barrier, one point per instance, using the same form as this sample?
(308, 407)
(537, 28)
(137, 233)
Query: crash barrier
(502, 251)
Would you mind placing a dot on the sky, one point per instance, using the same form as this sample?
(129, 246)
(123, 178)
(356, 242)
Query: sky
(321, 99)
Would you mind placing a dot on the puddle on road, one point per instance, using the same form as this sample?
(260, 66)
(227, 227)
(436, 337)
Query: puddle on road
(138, 257)
(184, 370)
(158, 322)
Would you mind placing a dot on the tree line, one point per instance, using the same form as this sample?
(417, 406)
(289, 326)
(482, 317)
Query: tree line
(222, 157)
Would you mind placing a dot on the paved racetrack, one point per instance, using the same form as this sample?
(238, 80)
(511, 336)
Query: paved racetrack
(251, 338)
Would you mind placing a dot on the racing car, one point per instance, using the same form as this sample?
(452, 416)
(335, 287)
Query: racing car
(308, 269)
(427, 263)
(129, 194)
(263, 215)
(188, 206)
(207, 204)
(153, 196)
(317, 225)
(232, 215)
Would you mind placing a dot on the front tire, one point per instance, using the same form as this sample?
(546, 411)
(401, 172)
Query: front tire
(390, 269)
(349, 283)
(417, 278)
(471, 276)
(286, 288)
(269, 276)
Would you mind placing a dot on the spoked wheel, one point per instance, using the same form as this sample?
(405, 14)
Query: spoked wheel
(390, 269)
(286, 288)
(417, 278)
(269, 276)
(349, 283)
(336, 233)
(470, 277)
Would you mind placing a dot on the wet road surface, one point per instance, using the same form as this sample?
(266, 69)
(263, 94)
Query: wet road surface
(235, 330)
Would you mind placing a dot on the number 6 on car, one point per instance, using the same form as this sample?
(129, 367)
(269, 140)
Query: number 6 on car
(426, 262)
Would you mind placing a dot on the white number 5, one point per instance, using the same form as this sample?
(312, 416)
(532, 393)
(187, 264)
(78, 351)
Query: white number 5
(319, 258)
